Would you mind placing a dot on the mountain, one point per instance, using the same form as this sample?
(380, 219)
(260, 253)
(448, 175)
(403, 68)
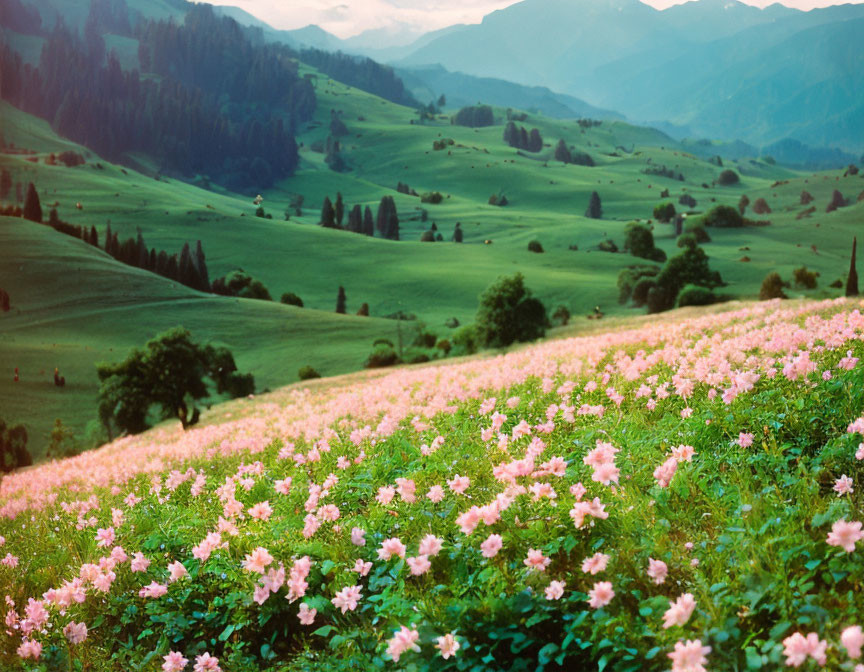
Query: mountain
(428, 83)
(718, 67)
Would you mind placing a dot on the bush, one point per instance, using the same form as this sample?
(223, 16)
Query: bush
(607, 245)
(307, 373)
(535, 246)
(697, 229)
(641, 290)
(804, 278)
(13, 447)
(728, 178)
(693, 295)
(467, 339)
(630, 277)
(291, 299)
(562, 315)
(687, 240)
(444, 345)
(761, 207)
(837, 201)
(239, 283)
(433, 197)
(806, 198)
(772, 287)
(639, 240)
(724, 217)
(508, 313)
(687, 200)
(427, 237)
(382, 356)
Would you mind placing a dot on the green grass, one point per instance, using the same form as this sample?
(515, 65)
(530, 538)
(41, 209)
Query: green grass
(434, 281)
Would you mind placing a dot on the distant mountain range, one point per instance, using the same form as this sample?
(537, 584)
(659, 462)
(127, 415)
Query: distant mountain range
(713, 68)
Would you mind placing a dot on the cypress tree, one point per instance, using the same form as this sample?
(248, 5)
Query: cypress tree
(852, 281)
(94, 236)
(523, 138)
(457, 233)
(32, 206)
(154, 260)
(393, 225)
(328, 215)
(53, 217)
(340, 300)
(595, 208)
(340, 209)
(510, 133)
(143, 260)
(201, 266)
(186, 272)
(108, 239)
(562, 152)
(355, 219)
(535, 141)
(368, 222)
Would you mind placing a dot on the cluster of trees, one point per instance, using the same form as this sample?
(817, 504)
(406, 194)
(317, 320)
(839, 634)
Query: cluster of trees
(171, 373)
(21, 18)
(360, 220)
(685, 279)
(565, 154)
(663, 171)
(639, 241)
(519, 138)
(239, 283)
(475, 116)
(220, 106)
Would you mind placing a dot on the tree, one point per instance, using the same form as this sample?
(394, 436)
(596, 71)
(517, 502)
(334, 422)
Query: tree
(837, 201)
(723, 217)
(4, 301)
(5, 184)
(508, 313)
(328, 214)
(595, 208)
(32, 206)
(535, 246)
(240, 283)
(562, 152)
(535, 141)
(368, 222)
(664, 212)
(690, 267)
(772, 287)
(291, 299)
(639, 240)
(852, 280)
(442, 101)
(387, 221)
(457, 233)
(363, 310)
(307, 373)
(806, 197)
(13, 447)
(728, 178)
(761, 207)
(355, 219)
(340, 300)
(743, 203)
(340, 209)
(562, 314)
(170, 372)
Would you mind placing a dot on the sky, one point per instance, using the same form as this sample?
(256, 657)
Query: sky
(345, 18)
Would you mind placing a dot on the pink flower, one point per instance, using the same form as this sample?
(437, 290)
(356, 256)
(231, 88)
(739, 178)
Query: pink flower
(491, 546)
(430, 545)
(391, 547)
(436, 493)
(306, 615)
(595, 564)
(362, 568)
(796, 648)
(174, 662)
(555, 590)
(105, 537)
(459, 484)
(447, 645)
(177, 570)
(139, 563)
(153, 590)
(845, 535)
(852, 639)
(77, 632)
(536, 560)
(664, 473)
(283, 487)
(406, 489)
(358, 536)
(657, 570)
(347, 598)
(30, 649)
(745, 439)
(419, 565)
(679, 611)
(206, 663)
(689, 656)
(258, 560)
(600, 595)
(261, 511)
(843, 486)
(385, 494)
(403, 640)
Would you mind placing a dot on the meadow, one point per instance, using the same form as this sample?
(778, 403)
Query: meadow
(681, 494)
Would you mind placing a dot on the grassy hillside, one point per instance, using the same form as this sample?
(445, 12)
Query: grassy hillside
(679, 491)
(73, 305)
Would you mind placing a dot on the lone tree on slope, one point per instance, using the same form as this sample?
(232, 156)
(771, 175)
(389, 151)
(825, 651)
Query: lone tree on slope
(852, 280)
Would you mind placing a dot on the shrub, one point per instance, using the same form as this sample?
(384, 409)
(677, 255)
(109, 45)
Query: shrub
(630, 277)
(382, 356)
(687, 240)
(641, 290)
(307, 373)
(427, 237)
(13, 447)
(508, 313)
(804, 278)
(443, 143)
(444, 345)
(562, 315)
(806, 198)
(772, 287)
(761, 207)
(743, 203)
(607, 245)
(291, 299)
(693, 295)
(535, 246)
(723, 216)
(433, 197)
(241, 284)
(837, 201)
(728, 178)
(697, 229)
(687, 200)
(467, 339)
(639, 240)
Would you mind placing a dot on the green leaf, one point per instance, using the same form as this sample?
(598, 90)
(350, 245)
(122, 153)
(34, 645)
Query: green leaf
(326, 566)
(324, 630)
(227, 632)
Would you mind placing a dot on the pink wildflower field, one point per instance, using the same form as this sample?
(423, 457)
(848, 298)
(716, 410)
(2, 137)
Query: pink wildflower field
(684, 496)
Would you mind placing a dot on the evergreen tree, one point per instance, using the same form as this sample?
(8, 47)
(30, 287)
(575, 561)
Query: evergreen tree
(340, 300)
(94, 237)
(186, 271)
(201, 266)
(595, 208)
(535, 141)
(108, 239)
(328, 214)
(143, 260)
(355, 219)
(562, 152)
(852, 280)
(387, 221)
(368, 222)
(457, 233)
(511, 133)
(32, 206)
(53, 218)
(340, 209)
